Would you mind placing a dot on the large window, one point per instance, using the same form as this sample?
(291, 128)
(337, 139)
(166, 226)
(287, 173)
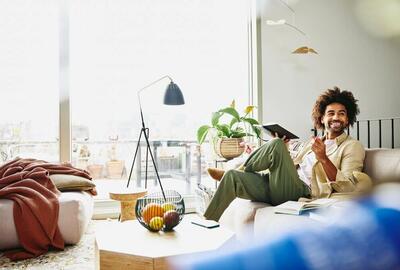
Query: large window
(29, 79)
(115, 48)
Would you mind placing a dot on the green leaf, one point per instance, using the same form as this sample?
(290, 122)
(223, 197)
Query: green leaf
(231, 111)
(233, 121)
(257, 131)
(225, 130)
(251, 121)
(202, 133)
(215, 118)
(238, 129)
(237, 134)
(220, 134)
(237, 126)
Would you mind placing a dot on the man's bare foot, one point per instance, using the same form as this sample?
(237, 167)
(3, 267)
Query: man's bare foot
(215, 173)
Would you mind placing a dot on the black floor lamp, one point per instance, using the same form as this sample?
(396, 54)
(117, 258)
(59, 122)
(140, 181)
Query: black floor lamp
(173, 96)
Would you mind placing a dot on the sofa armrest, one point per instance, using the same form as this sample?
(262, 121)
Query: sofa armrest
(239, 217)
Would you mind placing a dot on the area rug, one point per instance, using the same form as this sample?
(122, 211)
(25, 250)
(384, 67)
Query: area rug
(79, 256)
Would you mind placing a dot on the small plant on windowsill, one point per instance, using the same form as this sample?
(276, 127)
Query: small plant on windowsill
(228, 129)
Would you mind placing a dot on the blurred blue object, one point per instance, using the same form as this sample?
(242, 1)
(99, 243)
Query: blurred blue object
(365, 235)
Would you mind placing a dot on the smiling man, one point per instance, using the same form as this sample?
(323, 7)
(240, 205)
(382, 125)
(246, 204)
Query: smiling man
(323, 167)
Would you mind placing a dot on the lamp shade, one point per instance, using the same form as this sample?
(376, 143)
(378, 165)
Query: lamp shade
(173, 95)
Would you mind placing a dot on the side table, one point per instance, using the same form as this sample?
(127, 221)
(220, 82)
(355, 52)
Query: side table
(128, 200)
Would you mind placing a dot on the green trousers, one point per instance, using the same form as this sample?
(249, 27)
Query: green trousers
(280, 184)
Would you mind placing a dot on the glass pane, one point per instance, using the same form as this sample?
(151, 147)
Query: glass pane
(29, 79)
(121, 46)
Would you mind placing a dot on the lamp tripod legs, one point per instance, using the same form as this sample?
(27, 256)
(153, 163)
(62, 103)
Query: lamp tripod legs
(145, 132)
(134, 158)
(154, 164)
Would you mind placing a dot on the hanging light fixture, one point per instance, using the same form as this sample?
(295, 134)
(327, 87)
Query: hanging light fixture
(302, 49)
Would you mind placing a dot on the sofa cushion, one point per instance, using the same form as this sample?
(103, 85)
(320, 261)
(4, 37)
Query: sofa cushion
(67, 182)
(382, 165)
(268, 224)
(76, 209)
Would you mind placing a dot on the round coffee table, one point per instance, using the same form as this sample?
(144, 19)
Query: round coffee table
(128, 199)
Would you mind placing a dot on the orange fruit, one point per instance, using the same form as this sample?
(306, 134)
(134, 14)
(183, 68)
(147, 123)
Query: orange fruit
(152, 210)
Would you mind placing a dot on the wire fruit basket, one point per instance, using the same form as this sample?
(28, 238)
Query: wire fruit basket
(157, 213)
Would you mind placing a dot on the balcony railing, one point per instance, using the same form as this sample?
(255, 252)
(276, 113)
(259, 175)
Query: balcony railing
(174, 158)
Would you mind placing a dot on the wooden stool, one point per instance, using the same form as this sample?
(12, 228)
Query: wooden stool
(128, 200)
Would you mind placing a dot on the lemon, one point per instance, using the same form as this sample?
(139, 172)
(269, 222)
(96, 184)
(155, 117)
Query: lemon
(168, 206)
(156, 223)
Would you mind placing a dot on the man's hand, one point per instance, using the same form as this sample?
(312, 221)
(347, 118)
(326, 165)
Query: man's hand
(319, 149)
(276, 135)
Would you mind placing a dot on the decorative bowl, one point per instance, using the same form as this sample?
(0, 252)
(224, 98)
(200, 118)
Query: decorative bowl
(157, 213)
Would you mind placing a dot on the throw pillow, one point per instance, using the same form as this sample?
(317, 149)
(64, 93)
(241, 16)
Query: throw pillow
(363, 181)
(66, 182)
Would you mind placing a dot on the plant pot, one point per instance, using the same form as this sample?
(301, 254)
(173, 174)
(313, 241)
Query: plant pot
(115, 168)
(96, 170)
(229, 147)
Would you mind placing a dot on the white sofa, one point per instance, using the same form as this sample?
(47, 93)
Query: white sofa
(258, 219)
(76, 210)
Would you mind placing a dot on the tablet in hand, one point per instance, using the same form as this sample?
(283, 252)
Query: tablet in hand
(276, 128)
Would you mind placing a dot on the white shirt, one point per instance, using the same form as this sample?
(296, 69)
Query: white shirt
(305, 168)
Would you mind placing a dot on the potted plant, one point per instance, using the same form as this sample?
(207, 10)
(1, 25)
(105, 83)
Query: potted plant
(95, 170)
(228, 130)
(115, 167)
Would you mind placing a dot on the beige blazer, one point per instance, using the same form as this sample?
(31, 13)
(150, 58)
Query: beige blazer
(347, 154)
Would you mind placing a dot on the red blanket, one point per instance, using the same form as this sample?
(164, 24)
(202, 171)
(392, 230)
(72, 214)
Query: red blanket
(36, 207)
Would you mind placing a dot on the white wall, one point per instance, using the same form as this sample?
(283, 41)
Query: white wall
(349, 58)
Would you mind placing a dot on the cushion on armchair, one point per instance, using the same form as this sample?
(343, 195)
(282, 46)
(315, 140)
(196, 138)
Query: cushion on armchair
(67, 182)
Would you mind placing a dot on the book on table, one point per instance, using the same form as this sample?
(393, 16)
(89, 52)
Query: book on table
(297, 208)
